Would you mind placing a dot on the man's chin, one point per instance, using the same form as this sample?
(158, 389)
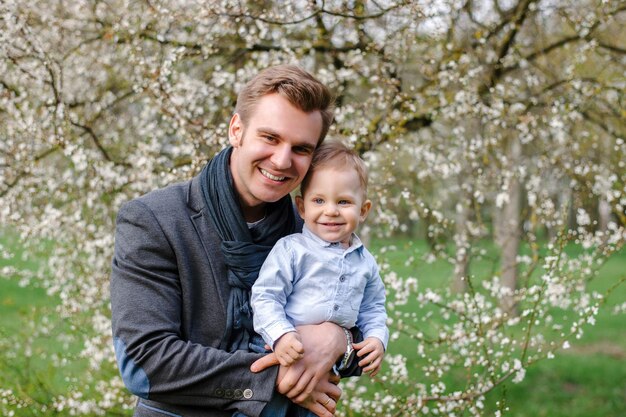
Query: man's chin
(273, 196)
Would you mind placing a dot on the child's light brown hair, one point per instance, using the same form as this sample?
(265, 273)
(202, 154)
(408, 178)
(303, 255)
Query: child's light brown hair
(338, 156)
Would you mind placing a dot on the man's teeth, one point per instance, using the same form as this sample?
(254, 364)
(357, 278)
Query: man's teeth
(272, 177)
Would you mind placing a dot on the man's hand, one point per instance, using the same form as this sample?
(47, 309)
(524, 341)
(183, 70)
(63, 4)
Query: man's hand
(371, 352)
(309, 382)
(323, 400)
(288, 348)
(323, 344)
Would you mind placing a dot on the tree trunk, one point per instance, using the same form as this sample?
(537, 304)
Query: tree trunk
(509, 234)
(604, 214)
(461, 238)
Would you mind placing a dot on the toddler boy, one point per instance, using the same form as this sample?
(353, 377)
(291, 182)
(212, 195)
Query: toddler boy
(324, 273)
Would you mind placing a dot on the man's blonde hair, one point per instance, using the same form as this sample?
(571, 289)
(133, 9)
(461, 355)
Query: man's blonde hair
(299, 87)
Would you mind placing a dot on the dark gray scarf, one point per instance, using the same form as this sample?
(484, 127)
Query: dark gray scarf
(244, 250)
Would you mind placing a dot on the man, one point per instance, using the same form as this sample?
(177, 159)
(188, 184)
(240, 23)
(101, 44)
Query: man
(186, 256)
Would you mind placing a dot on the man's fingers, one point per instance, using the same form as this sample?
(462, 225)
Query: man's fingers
(333, 391)
(327, 387)
(320, 410)
(264, 362)
(304, 386)
(293, 374)
(322, 405)
(334, 378)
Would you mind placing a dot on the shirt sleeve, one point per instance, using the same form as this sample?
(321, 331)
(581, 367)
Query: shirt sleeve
(372, 318)
(270, 293)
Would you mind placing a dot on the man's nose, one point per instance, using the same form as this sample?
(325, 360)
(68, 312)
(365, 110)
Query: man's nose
(281, 158)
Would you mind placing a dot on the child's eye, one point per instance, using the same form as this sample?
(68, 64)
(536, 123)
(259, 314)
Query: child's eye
(343, 202)
(318, 201)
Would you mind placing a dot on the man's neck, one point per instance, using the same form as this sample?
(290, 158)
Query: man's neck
(253, 214)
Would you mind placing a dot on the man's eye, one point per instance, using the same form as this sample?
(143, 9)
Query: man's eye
(303, 150)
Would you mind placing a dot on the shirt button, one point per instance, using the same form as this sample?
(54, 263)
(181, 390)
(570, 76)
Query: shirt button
(342, 278)
(247, 393)
(336, 307)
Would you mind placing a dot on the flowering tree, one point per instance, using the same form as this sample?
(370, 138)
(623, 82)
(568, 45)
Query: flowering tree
(476, 118)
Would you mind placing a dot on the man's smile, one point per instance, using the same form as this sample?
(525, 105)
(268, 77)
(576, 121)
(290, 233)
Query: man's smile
(266, 174)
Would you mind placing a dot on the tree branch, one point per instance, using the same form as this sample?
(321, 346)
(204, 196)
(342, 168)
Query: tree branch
(521, 12)
(317, 12)
(23, 173)
(96, 141)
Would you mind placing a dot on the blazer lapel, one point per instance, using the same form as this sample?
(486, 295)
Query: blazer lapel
(210, 240)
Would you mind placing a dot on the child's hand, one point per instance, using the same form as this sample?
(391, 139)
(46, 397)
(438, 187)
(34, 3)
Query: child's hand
(371, 352)
(289, 348)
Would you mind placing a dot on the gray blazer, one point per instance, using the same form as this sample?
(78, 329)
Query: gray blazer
(168, 296)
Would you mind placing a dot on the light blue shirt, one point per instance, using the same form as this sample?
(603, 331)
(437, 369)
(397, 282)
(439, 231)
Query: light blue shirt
(306, 280)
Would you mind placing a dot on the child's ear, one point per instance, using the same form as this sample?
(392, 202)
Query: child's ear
(300, 205)
(365, 209)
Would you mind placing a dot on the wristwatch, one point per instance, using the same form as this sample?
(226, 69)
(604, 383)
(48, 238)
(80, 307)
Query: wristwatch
(344, 362)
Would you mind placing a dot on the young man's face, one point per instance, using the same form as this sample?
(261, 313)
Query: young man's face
(273, 151)
(334, 205)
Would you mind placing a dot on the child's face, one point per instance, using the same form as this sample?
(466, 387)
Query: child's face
(334, 204)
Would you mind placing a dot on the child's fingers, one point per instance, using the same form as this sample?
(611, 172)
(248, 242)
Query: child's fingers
(365, 350)
(359, 345)
(295, 355)
(366, 361)
(372, 365)
(285, 360)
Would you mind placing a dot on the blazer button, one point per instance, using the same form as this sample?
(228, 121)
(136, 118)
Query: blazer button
(228, 393)
(219, 392)
(247, 393)
(238, 394)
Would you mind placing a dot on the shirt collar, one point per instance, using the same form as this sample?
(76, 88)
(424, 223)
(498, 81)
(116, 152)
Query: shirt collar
(356, 242)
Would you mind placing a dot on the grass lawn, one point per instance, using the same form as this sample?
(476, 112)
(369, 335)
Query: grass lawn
(588, 380)
(37, 359)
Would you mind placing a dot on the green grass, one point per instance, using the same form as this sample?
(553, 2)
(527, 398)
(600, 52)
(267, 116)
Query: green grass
(33, 338)
(587, 380)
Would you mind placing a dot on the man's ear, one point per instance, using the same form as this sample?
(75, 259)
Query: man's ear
(235, 130)
(365, 209)
(300, 205)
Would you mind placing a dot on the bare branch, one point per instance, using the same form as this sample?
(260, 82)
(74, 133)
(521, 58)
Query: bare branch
(612, 48)
(321, 10)
(88, 130)
(24, 172)
(521, 12)
(597, 122)
(10, 88)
